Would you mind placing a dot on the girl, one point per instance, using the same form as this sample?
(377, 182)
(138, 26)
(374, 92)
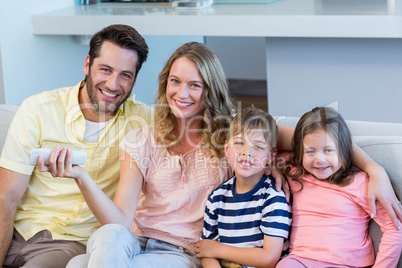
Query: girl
(330, 205)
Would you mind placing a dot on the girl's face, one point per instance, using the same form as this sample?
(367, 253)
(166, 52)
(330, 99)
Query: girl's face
(184, 89)
(249, 154)
(320, 156)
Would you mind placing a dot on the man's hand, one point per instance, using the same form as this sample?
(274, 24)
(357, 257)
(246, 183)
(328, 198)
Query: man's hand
(380, 189)
(60, 164)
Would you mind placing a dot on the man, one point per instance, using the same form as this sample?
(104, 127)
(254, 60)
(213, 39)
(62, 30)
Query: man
(45, 221)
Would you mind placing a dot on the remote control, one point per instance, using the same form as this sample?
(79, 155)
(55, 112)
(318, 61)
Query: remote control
(79, 157)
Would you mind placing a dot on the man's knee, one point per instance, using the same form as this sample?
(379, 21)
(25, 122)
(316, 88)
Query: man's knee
(53, 259)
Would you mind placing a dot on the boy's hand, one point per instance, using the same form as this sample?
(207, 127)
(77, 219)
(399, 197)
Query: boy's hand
(206, 248)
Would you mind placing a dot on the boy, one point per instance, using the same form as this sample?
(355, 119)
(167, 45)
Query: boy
(246, 220)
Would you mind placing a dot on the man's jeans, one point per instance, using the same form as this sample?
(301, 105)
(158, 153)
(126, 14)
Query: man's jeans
(113, 246)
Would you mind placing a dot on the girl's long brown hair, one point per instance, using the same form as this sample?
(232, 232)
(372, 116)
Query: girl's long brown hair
(329, 120)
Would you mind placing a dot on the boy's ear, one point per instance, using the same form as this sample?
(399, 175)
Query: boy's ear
(226, 148)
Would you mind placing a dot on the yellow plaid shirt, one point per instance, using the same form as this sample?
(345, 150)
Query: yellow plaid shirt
(44, 121)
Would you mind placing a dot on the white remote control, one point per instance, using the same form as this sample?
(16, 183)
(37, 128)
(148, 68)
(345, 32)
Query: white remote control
(79, 157)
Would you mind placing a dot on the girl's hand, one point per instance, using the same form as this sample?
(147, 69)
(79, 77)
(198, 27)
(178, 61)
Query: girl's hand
(380, 189)
(60, 164)
(206, 248)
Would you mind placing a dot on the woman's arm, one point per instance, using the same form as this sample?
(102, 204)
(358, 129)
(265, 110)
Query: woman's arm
(105, 210)
(284, 143)
(285, 136)
(391, 242)
(267, 256)
(380, 187)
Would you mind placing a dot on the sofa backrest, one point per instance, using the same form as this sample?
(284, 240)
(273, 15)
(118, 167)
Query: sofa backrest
(6, 116)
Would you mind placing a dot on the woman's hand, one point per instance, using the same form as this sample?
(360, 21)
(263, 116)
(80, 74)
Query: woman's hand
(277, 171)
(380, 189)
(281, 182)
(60, 164)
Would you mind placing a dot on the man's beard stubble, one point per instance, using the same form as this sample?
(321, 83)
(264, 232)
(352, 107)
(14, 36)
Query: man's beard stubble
(92, 90)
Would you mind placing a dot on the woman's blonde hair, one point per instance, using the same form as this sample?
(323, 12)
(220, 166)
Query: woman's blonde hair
(218, 104)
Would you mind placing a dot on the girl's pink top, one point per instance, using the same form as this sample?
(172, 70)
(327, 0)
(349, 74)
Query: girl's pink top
(175, 190)
(330, 223)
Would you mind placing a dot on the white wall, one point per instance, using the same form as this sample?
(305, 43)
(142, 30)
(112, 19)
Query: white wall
(34, 63)
(362, 76)
(242, 57)
(2, 97)
(31, 63)
(160, 49)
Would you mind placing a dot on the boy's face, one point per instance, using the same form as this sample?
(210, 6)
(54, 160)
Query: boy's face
(249, 154)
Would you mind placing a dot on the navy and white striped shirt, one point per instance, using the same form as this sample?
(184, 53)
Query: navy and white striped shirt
(242, 220)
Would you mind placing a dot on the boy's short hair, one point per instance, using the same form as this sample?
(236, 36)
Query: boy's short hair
(254, 118)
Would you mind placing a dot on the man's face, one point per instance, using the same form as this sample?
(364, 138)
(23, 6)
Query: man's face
(110, 79)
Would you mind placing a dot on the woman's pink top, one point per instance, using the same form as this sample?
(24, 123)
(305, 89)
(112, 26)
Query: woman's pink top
(175, 190)
(330, 223)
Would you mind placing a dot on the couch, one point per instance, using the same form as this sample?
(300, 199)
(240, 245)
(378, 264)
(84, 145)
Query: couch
(382, 141)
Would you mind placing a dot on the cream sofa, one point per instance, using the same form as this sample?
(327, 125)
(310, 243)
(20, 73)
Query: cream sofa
(382, 141)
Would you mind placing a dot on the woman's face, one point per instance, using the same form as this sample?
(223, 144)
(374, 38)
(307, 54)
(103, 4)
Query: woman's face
(184, 90)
